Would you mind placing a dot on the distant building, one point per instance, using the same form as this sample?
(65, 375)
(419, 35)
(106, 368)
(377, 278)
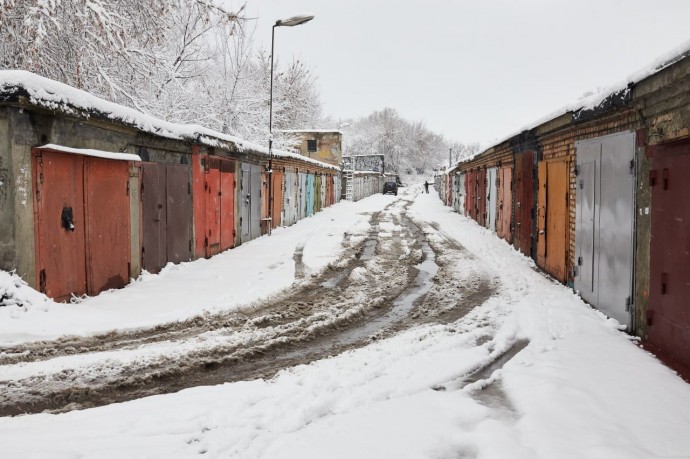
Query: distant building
(321, 144)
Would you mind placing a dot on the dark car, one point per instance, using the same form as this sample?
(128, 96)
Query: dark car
(390, 187)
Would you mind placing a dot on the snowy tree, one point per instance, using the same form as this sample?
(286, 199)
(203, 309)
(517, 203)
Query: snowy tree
(406, 145)
(461, 151)
(147, 54)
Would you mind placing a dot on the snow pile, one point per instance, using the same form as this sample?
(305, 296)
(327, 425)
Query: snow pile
(575, 387)
(16, 297)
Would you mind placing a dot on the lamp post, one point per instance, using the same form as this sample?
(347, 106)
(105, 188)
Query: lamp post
(289, 22)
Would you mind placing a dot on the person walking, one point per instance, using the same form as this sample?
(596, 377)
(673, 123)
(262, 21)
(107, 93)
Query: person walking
(426, 186)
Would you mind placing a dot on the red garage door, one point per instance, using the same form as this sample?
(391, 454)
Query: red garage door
(669, 289)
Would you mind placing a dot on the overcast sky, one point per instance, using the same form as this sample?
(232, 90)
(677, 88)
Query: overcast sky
(472, 70)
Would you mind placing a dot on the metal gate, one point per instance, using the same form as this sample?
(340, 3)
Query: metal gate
(227, 204)
(245, 203)
(553, 217)
(310, 195)
(166, 215)
(605, 222)
(289, 201)
(668, 315)
(524, 201)
(302, 198)
(277, 204)
(491, 198)
(82, 227)
(505, 203)
(481, 197)
(460, 198)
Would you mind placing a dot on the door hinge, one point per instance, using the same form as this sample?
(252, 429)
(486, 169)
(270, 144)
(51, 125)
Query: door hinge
(577, 171)
(576, 271)
(234, 234)
(582, 184)
(42, 281)
(632, 167)
(579, 261)
(127, 191)
(40, 177)
(628, 303)
(205, 241)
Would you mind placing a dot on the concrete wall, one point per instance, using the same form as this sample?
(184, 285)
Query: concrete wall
(328, 146)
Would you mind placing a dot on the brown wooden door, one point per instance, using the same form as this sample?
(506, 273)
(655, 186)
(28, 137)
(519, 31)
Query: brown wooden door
(557, 218)
(60, 226)
(178, 213)
(668, 316)
(108, 248)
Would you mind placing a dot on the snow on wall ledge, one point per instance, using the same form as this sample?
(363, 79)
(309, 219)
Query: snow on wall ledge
(89, 152)
(53, 95)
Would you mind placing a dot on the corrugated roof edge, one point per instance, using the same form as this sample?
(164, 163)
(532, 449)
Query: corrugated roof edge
(612, 96)
(53, 95)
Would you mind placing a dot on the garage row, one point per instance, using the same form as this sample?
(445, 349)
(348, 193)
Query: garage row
(597, 197)
(92, 193)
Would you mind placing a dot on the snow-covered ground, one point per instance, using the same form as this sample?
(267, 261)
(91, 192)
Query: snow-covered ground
(579, 389)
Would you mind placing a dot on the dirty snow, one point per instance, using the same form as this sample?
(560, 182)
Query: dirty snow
(579, 389)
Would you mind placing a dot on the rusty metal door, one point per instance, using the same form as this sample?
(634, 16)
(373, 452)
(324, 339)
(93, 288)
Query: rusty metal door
(227, 204)
(668, 316)
(213, 207)
(60, 224)
(154, 217)
(461, 194)
(605, 223)
(278, 177)
(541, 214)
(471, 195)
(505, 203)
(178, 241)
(245, 203)
(481, 197)
(552, 217)
(524, 201)
(107, 224)
(255, 201)
(491, 198)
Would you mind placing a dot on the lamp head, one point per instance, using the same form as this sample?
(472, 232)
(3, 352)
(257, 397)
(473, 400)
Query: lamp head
(293, 21)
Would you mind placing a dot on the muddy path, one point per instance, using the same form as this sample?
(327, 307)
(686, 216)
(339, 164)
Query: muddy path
(398, 274)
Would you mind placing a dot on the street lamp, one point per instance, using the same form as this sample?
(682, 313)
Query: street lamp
(289, 22)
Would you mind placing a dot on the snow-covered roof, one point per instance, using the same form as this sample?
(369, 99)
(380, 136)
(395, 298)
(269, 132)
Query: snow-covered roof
(53, 95)
(312, 131)
(621, 89)
(89, 152)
